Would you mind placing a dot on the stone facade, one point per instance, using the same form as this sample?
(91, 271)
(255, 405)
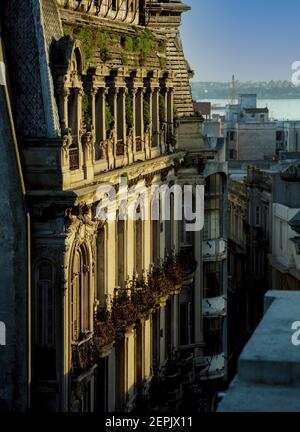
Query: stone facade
(115, 308)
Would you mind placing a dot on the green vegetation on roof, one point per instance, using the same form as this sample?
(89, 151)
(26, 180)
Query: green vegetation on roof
(142, 41)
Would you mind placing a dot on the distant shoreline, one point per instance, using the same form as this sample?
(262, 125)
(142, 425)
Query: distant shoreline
(258, 98)
(280, 109)
(273, 90)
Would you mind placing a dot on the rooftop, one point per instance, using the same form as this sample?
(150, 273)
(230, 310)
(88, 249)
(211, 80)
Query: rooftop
(268, 377)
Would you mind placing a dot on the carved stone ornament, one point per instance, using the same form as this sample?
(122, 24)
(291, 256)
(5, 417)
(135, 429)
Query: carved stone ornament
(80, 227)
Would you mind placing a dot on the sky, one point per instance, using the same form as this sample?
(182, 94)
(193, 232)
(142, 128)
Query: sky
(256, 40)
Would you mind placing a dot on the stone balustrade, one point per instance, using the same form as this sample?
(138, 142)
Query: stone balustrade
(123, 11)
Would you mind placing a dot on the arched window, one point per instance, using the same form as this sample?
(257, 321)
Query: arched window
(80, 295)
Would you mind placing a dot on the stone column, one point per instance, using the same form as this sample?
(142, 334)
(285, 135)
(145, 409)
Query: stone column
(112, 100)
(63, 98)
(88, 141)
(155, 118)
(170, 115)
(148, 128)
(139, 116)
(78, 101)
(100, 131)
(66, 135)
(163, 133)
(134, 105)
(123, 114)
(170, 109)
(121, 118)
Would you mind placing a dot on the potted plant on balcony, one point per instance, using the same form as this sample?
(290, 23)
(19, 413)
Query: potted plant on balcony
(159, 285)
(143, 298)
(124, 313)
(173, 272)
(82, 356)
(104, 331)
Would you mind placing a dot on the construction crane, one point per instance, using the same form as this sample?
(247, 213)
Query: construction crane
(233, 90)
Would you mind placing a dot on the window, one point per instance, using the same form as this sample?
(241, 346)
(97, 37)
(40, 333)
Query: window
(257, 216)
(101, 265)
(45, 352)
(279, 135)
(45, 303)
(212, 279)
(114, 5)
(156, 228)
(281, 235)
(213, 226)
(80, 295)
(139, 244)
(120, 253)
(169, 228)
(139, 355)
(213, 337)
(184, 324)
(155, 242)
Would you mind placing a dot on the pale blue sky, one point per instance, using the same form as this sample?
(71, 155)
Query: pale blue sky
(255, 40)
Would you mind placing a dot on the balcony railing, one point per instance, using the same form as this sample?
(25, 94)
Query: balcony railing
(74, 159)
(216, 367)
(214, 307)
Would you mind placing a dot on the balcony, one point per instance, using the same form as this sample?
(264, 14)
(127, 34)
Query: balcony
(83, 358)
(104, 333)
(214, 307)
(215, 368)
(213, 249)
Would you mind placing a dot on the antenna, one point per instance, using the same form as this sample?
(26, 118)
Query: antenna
(233, 90)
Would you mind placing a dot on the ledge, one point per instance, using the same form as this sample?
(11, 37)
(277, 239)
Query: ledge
(268, 377)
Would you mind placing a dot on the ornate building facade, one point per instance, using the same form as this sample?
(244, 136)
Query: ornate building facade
(111, 310)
